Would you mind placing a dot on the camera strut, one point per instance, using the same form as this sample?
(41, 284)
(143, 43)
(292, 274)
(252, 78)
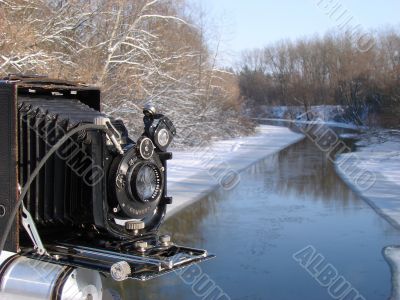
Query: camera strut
(30, 227)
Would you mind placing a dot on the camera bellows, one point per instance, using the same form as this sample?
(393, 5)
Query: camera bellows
(58, 195)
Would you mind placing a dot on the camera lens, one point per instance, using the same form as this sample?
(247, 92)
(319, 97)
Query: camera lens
(146, 183)
(163, 137)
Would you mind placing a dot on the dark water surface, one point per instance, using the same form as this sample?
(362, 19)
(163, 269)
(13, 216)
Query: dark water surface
(283, 204)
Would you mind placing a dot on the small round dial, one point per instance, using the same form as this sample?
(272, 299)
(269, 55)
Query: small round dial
(163, 137)
(145, 148)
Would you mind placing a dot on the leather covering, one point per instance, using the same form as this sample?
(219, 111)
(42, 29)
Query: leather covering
(8, 163)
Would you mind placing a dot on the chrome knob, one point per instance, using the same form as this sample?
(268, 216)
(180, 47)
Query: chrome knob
(120, 271)
(149, 109)
(165, 240)
(141, 246)
(134, 225)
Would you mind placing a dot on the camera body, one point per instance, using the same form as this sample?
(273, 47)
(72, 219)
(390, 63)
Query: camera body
(98, 197)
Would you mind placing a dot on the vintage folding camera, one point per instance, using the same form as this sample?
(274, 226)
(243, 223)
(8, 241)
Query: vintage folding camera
(89, 195)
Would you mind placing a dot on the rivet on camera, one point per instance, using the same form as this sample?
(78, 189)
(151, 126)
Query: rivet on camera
(141, 246)
(165, 240)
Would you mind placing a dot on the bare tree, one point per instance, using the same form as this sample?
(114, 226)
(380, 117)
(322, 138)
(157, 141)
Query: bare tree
(39, 36)
(136, 51)
(326, 70)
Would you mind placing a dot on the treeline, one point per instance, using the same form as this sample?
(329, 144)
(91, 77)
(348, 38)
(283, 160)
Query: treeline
(135, 51)
(325, 70)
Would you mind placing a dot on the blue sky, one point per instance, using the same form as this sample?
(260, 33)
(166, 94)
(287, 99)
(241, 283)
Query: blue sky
(255, 23)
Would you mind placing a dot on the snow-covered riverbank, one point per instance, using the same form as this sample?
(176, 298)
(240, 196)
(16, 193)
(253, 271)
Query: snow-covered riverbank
(381, 158)
(315, 122)
(194, 173)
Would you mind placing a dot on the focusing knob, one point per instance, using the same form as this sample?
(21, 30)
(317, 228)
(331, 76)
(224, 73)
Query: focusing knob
(134, 225)
(120, 271)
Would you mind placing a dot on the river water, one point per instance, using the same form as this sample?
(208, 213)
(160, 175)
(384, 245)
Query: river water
(283, 204)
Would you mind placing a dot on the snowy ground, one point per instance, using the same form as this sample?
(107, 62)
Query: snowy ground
(335, 113)
(325, 112)
(192, 174)
(317, 121)
(380, 157)
(392, 256)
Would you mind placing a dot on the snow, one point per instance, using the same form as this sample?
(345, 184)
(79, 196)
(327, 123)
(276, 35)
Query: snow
(318, 121)
(392, 256)
(385, 158)
(331, 115)
(349, 135)
(193, 173)
(379, 160)
(324, 112)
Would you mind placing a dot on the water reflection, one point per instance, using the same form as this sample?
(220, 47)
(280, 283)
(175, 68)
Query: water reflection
(303, 171)
(282, 204)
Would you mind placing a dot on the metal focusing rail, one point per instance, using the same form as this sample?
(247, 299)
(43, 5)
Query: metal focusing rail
(136, 263)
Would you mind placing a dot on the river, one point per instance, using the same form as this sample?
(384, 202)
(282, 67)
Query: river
(283, 204)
